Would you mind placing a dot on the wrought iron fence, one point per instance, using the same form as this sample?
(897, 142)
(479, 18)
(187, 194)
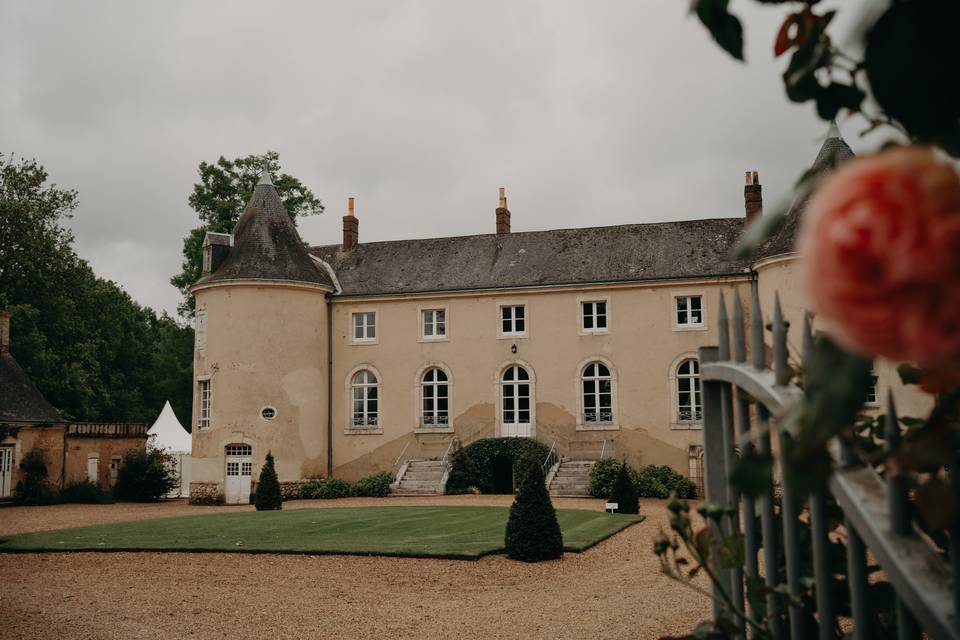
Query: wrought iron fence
(876, 514)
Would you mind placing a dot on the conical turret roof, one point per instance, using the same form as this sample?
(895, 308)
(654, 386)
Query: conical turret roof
(266, 245)
(833, 152)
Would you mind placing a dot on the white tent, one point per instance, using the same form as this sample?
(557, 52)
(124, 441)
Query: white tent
(169, 435)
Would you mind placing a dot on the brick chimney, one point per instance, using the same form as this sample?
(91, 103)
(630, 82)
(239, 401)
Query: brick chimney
(351, 228)
(503, 214)
(752, 196)
(5, 331)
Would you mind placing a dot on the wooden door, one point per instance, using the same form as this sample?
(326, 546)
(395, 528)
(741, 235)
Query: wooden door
(6, 472)
(239, 472)
(93, 468)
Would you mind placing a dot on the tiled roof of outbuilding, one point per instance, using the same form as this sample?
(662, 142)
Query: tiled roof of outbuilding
(266, 245)
(633, 252)
(833, 152)
(20, 400)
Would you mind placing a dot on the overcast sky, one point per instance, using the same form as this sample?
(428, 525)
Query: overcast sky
(589, 113)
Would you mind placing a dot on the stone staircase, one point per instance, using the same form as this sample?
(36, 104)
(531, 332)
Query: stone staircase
(419, 478)
(572, 479)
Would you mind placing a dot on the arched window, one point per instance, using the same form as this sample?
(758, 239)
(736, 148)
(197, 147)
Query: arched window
(597, 389)
(435, 391)
(365, 394)
(689, 405)
(515, 402)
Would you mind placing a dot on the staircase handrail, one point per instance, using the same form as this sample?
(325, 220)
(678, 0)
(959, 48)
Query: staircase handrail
(551, 459)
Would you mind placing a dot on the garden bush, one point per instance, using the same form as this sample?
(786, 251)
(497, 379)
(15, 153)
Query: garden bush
(145, 476)
(472, 466)
(311, 489)
(334, 488)
(375, 486)
(84, 492)
(268, 496)
(624, 492)
(533, 533)
(652, 481)
(34, 488)
(671, 481)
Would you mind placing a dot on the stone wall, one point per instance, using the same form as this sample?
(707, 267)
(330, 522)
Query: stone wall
(206, 493)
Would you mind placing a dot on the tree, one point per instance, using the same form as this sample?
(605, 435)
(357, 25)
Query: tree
(268, 488)
(94, 353)
(533, 533)
(34, 488)
(624, 492)
(145, 476)
(224, 189)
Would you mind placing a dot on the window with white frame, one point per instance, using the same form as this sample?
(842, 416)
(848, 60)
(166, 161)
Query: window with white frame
(201, 330)
(515, 402)
(593, 316)
(365, 394)
(365, 326)
(203, 418)
(434, 323)
(689, 311)
(873, 396)
(435, 392)
(689, 404)
(513, 320)
(597, 388)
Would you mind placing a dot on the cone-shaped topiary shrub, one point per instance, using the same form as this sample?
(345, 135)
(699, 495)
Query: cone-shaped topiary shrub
(624, 492)
(533, 533)
(268, 488)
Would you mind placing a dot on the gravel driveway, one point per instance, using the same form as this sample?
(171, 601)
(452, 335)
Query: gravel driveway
(614, 590)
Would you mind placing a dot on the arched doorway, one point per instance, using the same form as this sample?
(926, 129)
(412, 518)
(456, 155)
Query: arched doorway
(239, 472)
(501, 470)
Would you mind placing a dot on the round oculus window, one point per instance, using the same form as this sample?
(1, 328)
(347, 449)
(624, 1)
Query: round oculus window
(268, 413)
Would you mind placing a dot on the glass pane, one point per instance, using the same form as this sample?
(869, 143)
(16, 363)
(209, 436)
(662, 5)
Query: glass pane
(441, 391)
(441, 376)
(684, 399)
(605, 401)
(589, 401)
(601, 321)
(372, 393)
(508, 415)
(507, 326)
(602, 370)
(428, 405)
(427, 328)
(441, 329)
(695, 302)
(522, 375)
(508, 403)
(520, 327)
(508, 374)
(605, 387)
(371, 405)
(695, 365)
(696, 317)
(442, 405)
(506, 313)
(371, 330)
(523, 390)
(683, 384)
(587, 321)
(601, 308)
(589, 386)
(523, 403)
(524, 417)
(441, 316)
(518, 313)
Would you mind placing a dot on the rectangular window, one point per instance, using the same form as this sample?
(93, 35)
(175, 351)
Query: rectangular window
(593, 316)
(434, 323)
(513, 320)
(203, 419)
(201, 330)
(872, 395)
(365, 326)
(689, 311)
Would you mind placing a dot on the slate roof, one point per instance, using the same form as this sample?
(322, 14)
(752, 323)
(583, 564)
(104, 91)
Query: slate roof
(266, 245)
(833, 152)
(634, 252)
(20, 400)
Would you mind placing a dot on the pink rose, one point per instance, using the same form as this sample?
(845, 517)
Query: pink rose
(880, 249)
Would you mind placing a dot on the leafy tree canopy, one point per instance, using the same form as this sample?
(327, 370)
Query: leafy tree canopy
(94, 353)
(224, 189)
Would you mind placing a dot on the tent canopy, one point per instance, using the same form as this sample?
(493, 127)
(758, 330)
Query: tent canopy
(167, 433)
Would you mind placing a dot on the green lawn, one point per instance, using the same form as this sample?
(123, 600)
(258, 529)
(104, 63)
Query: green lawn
(445, 532)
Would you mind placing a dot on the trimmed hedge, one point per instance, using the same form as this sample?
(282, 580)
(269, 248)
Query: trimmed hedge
(533, 533)
(624, 492)
(268, 497)
(375, 486)
(472, 466)
(654, 481)
(84, 492)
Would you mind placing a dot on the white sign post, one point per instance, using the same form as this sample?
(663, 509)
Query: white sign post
(612, 506)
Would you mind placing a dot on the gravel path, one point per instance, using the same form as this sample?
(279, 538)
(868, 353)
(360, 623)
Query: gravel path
(615, 590)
